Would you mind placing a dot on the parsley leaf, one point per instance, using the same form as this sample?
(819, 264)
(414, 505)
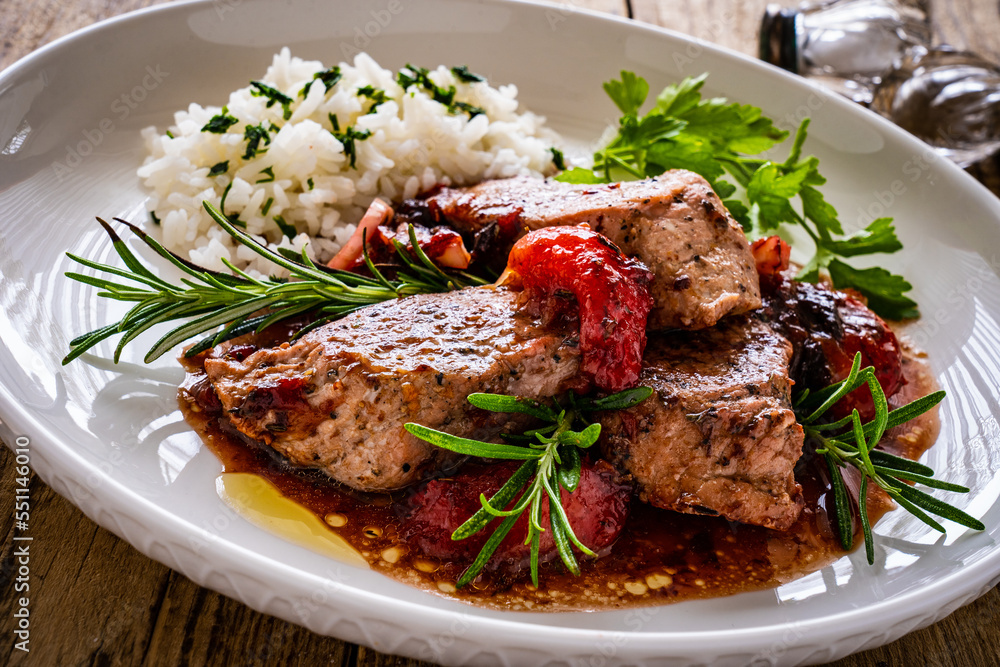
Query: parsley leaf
(329, 77)
(690, 153)
(879, 236)
(679, 98)
(253, 135)
(274, 96)
(885, 292)
(411, 75)
(220, 123)
(348, 138)
(771, 190)
(286, 228)
(219, 168)
(376, 95)
(629, 93)
(558, 159)
(268, 175)
(580, 175)
(721, 140)
(463, 74)
(815, 207)
(442, 96)
(473, 111)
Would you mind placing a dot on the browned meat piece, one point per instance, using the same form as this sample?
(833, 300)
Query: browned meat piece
(719, 435)
(338, 398)
(674, 223)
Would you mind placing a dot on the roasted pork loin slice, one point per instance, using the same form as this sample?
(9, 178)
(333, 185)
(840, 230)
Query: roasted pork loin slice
(718, 436)
(674, 223)
(338, 398)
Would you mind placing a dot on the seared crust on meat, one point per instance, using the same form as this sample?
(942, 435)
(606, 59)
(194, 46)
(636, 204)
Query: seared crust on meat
(718, 436)
(338, 398)
(673, 223)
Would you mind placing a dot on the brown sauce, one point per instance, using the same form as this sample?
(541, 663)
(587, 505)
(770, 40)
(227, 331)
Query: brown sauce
(661, 556)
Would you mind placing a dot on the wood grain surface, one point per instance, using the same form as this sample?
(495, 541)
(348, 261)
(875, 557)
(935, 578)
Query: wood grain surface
(97, 601)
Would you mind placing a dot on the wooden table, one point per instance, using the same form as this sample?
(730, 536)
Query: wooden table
(98, 601)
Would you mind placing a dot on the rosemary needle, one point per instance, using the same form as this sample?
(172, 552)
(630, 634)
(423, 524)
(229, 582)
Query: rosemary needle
(235, 303)
(552, 462)
(849, 442)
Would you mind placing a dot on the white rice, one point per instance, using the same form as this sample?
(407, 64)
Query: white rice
(415, 144)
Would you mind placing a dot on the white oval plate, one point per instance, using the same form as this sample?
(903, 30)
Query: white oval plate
(111, 439)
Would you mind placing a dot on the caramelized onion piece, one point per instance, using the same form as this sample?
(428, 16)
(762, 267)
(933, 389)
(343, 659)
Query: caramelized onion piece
(771, 255)
(443, 246)
(378, 213)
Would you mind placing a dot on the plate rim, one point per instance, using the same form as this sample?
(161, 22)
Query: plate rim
(897, 610)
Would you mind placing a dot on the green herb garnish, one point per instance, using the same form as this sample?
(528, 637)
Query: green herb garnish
(219, 168)
(463, 74)
(253, 135)
(376, 95)
(558, 159)
(551, 456)
(848, 442)
(719, 140)
(330, 76)
(220, 123)
(234, 219)
(274, 96)
(268, 175)
(236, 304)
(412, 75)
(473, 111)
(442, 96)
(348, 138)
(286, 228)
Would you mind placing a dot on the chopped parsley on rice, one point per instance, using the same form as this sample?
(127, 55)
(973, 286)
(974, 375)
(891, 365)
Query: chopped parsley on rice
(297, 156)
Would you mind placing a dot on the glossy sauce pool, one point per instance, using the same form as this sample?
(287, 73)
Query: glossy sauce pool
(661, 556)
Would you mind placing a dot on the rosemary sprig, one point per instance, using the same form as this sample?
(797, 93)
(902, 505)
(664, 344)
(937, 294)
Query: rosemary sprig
(551, 456)
(237, 303)
(848, 441)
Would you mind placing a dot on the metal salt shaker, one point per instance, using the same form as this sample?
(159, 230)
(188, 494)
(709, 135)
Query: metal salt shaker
(879, 53)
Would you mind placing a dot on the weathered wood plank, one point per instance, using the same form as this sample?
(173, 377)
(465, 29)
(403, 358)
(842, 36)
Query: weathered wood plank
(730, 23)
(970, 636)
